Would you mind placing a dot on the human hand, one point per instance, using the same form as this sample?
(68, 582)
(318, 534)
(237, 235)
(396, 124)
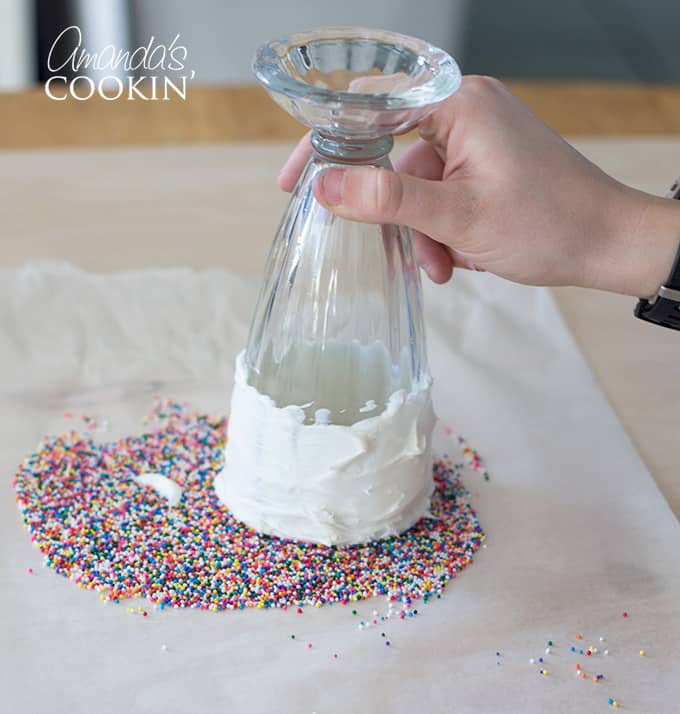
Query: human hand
(489, 186)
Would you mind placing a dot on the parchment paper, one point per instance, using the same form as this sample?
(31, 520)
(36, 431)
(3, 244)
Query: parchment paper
(577, 530)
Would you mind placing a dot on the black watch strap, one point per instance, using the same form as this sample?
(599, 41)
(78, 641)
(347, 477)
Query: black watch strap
(664, 309)
(673, 281)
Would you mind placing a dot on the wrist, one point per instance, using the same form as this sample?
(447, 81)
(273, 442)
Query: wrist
(642, 241)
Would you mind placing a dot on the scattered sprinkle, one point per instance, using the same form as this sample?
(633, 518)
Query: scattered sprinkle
(95, 525)
(642, 653)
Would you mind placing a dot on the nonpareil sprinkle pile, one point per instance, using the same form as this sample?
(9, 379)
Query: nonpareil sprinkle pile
(100, 527)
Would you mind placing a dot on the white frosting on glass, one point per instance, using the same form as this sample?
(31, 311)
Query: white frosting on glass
(164, 487)
(324, 482)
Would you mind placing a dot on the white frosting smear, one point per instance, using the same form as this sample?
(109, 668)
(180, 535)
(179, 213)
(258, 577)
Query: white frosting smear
(324, 482)
(164, 487)
(370, 406)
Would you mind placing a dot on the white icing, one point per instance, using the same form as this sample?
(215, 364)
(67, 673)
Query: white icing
(370, 406)
(322, 416)
(164, 487)
(325, 482)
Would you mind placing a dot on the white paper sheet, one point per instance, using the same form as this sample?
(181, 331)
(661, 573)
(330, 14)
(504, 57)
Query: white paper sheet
(577, 530)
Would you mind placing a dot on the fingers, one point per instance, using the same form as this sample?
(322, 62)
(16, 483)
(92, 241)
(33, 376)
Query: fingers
(435, 130)
(380, 196)
(452, 128)
(421, 160)
(433, 257)
(295, 163)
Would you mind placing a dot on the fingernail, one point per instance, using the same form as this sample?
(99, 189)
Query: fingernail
(331, 185)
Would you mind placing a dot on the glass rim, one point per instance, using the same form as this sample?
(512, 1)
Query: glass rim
(446, 79)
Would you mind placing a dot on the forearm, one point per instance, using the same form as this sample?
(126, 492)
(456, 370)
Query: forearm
(643, 242)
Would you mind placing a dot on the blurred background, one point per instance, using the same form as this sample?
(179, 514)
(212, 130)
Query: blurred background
(599, 40)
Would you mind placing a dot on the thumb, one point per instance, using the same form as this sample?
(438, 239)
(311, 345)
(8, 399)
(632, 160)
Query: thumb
(374, 195)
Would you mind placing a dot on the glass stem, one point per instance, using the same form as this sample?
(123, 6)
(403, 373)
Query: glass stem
(341, 150)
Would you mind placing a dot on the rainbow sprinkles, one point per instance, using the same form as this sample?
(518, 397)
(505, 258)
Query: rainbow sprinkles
(101, 525)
